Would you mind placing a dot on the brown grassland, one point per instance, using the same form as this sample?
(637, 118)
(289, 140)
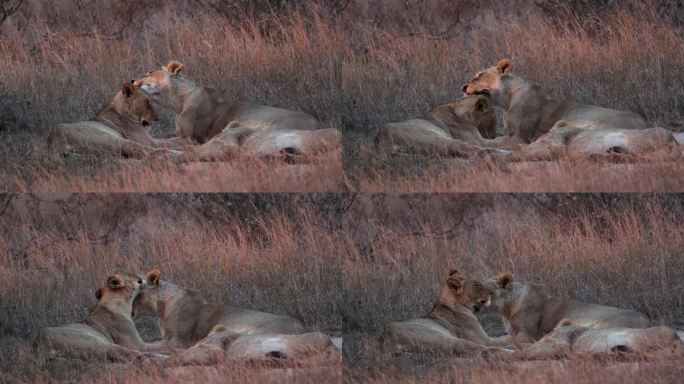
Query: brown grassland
(353, 65)
(344, 265)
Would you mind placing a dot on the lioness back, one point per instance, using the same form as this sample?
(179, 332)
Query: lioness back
(248, 322)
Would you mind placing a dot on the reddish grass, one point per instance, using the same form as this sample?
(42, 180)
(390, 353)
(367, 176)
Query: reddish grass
(166, 175)
(479, 175)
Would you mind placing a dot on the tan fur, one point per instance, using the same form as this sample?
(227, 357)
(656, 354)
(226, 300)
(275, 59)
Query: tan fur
(530, 113)
(186, 316)
(221, 343)
(235, 141)
(205, 116)
(119, 128)
(108, 331)
(460, 128)
(568, 338)
(530, 313)
(451, 327)
(565, 140)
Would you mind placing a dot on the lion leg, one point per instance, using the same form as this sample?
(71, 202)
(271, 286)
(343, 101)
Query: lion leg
(97, 139)
(397, 138)
(224, 146)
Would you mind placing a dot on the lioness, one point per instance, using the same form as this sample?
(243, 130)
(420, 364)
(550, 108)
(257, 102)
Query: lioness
(221, 343)
(530, 113)
(450, 327)
(568, 338)
(565, 140)
(530, 313)
(202, 112)
(459, 128)
(108, 331)
(286, 142)
(186, 316)
(119, 128)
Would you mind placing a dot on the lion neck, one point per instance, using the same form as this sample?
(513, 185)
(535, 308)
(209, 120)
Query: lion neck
(172, 300)
(449, 123)
(512, 87)
(110, 310)
(446, 303)
(515, 300)
(183, 93)
(114, 116)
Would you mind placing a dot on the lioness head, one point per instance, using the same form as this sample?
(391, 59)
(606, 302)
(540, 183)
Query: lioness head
(147, 302)
(120, 287)
(161, 85)
(476, 109)
(136, 105)
(464, 291)
(504, 291)
(488, 81)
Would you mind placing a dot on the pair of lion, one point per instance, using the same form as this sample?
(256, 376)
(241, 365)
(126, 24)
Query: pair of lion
(540, 325)
(553, 128)
(195, 330)
(223, 128)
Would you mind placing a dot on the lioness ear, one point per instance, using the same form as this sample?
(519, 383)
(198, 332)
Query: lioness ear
(128, 89)
(453, 271)
(173, 66)
(503, 280)
(481, 105)
(504, 66)
(115, 282)
(456, 283)
(98, 293)
(153, 277)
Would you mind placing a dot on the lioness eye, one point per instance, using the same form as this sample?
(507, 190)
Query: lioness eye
(139, 281)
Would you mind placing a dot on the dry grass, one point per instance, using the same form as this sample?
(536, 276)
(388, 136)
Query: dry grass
(352, 72)
(94, 174)
(619, 250)
(406, 173)
(274, 253)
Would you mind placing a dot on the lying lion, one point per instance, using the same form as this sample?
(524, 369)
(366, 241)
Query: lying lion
(569, 338)
(235, 140)
(460, 128)
(204, 116)
(530, 113)
(221, 343)
(188, 320)
(565, 141)
(119, 128)
(530, 313)
(451, 327)
(108, 331)
(186, 316)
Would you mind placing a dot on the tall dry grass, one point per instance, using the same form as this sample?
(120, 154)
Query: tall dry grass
(407, 173)
(274, 253)
(350, 70)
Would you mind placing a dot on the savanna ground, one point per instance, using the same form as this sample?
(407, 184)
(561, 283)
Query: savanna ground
(274, 253)
(354, 65)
